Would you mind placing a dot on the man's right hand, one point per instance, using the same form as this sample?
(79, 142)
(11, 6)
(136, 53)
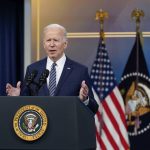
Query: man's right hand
(13, 91)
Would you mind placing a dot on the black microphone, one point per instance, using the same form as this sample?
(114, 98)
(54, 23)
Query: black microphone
(30, 77)
(42, 78)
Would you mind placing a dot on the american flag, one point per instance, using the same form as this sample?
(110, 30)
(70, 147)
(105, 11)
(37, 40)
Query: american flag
(111, 129)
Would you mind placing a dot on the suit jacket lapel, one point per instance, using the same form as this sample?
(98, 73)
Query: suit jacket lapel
(65, 73)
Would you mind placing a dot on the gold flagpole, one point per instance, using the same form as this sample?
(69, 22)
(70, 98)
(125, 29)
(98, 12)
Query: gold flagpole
(136, 15)
(100, 16)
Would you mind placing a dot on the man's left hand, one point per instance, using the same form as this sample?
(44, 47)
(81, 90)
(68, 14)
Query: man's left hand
(84, 91)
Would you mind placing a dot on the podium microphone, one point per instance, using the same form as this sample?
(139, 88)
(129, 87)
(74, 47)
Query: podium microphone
(30, 77)
(42, 78)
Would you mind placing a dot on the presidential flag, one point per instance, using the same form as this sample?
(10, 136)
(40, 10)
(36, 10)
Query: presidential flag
(135, 89)
(111, 131)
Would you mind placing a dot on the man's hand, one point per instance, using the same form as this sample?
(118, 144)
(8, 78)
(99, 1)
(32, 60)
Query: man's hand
(84, 91)
(13, 91)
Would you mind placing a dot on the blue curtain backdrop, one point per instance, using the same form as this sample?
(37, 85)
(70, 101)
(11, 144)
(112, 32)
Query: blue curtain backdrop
(11, 42)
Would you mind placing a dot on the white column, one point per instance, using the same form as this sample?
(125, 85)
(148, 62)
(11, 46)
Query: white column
(27, 33)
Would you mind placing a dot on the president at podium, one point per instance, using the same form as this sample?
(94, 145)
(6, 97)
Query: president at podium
(55, 75)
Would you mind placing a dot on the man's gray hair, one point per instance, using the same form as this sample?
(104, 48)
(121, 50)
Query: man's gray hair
(56, 26)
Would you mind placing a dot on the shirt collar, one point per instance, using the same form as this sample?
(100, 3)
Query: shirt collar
(59, 62)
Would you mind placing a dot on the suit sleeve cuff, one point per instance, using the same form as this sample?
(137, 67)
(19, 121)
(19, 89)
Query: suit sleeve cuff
(86, 102)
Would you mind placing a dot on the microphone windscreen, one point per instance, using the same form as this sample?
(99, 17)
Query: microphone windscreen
(46, 72)
(43, 77)
(30, 77)
(34, 72)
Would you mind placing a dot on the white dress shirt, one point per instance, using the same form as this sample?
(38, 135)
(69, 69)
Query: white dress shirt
(59, 68)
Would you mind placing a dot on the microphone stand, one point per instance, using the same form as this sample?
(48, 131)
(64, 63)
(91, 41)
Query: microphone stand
(32, 90)
(42, 80)
(38, 86)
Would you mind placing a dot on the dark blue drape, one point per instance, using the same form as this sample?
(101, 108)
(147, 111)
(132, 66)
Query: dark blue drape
(11, 42)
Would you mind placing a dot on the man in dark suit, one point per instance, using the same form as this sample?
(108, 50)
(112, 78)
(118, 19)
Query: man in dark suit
(70, 78)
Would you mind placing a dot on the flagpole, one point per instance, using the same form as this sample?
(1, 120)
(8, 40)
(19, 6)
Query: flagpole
(136, 15)
(100, 16)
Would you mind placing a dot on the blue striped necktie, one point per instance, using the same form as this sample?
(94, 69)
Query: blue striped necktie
(52, 80)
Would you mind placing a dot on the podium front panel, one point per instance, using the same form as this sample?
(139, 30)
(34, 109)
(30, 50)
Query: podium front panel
(70, 124)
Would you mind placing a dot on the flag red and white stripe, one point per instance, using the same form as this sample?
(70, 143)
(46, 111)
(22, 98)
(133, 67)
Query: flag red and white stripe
(110, 122)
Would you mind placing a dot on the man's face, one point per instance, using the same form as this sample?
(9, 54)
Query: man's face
(54, 43)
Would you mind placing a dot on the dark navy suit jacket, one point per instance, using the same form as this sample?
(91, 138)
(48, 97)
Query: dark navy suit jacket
(69, 84)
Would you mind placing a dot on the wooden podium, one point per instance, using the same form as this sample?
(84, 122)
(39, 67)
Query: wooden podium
(71, 124)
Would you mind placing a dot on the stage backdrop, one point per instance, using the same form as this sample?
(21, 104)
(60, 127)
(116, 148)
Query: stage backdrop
(11, 42)
(79, 17)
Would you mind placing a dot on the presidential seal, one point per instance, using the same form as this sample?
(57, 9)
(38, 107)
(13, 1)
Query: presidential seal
(137, 103)
(30, 122)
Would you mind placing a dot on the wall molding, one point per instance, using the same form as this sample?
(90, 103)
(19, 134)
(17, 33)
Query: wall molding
(107, 34)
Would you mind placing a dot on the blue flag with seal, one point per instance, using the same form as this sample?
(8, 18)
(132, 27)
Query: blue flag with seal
(135, 89)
